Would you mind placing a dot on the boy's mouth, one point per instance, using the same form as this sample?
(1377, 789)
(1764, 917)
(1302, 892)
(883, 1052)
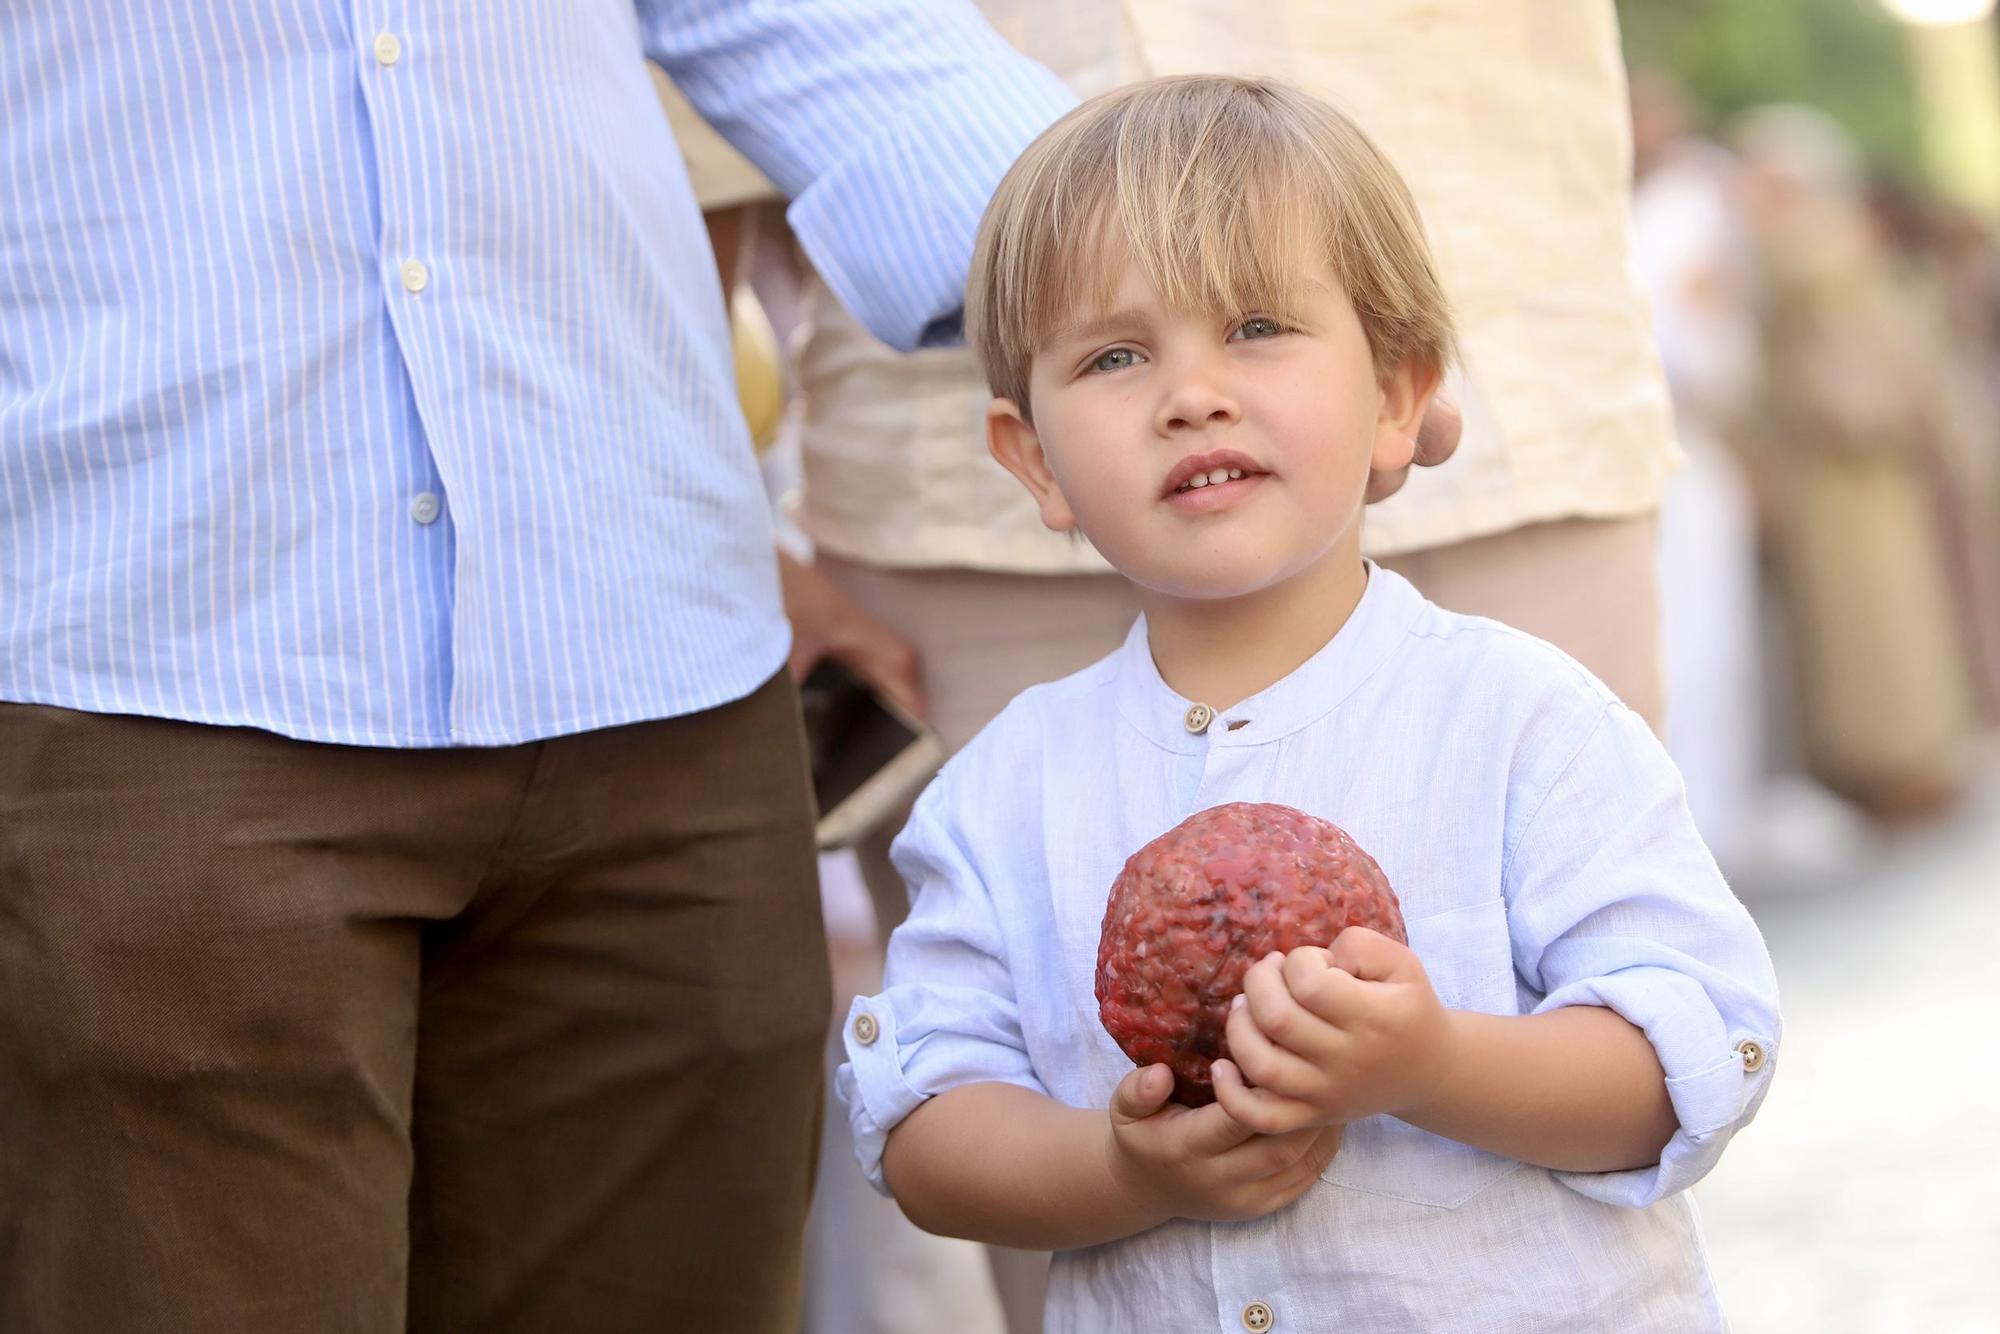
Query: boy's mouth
(1211, 469)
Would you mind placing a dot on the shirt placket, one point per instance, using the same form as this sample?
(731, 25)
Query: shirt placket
(1251, 1296)
(1222, 764)
(1248, 1288)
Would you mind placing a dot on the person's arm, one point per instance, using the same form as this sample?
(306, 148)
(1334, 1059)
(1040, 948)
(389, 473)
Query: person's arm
(1010, 1167)
(1578, 1089)
(827, 623)
(888, 123)
(1656, 1031)
(1333, 1035)
(1003, 1165)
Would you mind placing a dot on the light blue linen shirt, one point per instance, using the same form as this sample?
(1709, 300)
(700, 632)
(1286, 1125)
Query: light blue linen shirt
(363, 370)
(1538, 839)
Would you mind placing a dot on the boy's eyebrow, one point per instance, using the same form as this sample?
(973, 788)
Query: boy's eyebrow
(1097, 326)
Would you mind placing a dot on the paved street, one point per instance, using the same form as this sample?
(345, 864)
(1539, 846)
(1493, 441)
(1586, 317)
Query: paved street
(1866, 1197)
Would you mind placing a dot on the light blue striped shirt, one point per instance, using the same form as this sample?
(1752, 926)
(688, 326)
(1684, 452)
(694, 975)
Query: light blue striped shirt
(363, 372)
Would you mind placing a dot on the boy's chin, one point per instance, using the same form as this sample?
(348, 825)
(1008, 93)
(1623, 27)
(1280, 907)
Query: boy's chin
(1221, 579)
(1209, 585)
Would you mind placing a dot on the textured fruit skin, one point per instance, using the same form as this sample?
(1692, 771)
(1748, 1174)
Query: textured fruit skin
(1193, 909)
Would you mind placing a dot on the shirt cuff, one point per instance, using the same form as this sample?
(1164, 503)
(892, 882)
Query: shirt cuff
(1718, 1069)
(890, 228)
(871, 1084)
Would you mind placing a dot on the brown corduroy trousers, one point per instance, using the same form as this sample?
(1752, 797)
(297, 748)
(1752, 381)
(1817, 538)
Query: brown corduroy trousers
(308, 1038)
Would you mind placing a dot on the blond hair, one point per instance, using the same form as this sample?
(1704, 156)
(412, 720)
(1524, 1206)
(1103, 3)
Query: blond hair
(1222, 190)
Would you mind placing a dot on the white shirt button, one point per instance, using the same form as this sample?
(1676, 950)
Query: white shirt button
(866, 1030)
(1258, 1318)
(426, 507)
(415, 276)
(388, 48)
(1753, 1055)
(1198, 717)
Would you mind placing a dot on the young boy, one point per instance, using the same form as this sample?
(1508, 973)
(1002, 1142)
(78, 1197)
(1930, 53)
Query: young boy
(1207, 311)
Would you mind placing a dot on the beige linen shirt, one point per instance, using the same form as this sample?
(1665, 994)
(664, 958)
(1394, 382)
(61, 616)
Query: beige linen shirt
(1509, 120)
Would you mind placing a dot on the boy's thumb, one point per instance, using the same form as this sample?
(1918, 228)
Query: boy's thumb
(1142, 1093)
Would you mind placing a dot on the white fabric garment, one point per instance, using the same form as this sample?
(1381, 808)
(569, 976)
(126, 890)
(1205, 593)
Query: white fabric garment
(1537, 837)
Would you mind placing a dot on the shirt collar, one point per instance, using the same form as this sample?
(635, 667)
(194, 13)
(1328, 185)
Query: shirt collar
(1389, 606)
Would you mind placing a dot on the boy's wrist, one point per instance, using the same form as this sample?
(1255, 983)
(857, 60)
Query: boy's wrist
(1435, 1087)
(1126, 1176)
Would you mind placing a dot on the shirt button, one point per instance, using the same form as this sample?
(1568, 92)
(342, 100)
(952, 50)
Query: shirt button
(1257, 1318)
(866, 1030)
(425, 508)
(1753, 1055)
(1199, 716)
(388, 48)
(415, 276)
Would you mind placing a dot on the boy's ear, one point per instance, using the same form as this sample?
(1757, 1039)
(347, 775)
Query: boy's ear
(1013, 442)
(1406, 395)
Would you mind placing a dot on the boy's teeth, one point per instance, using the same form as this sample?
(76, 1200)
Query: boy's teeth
(1213, 477)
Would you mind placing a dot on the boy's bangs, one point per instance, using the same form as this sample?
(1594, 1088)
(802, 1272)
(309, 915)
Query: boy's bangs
(1225, 255)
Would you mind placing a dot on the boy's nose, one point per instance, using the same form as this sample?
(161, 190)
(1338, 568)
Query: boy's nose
(1196, 402)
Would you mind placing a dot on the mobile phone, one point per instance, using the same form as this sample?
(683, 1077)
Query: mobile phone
(869, 757)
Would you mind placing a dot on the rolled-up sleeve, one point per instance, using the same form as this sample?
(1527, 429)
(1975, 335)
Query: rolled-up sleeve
(947, 1015)
(1613, 900)
(887, 122)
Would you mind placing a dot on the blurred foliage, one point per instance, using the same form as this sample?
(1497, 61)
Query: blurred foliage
(1847, 57)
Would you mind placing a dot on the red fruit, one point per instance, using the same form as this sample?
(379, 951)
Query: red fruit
(1193, 909)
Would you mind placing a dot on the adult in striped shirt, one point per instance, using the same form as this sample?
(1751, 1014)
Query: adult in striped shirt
(407, 912)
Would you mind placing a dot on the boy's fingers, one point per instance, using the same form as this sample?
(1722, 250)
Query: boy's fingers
(1141, 1093)
(1303, 966)
(1278, 1015)
(1372, 956)
(1323, 988)
(1264, 991)
(1211, 1131)
(1325, 1144)
(1262, 1110)
(1263, 1061)
(1269, 1156)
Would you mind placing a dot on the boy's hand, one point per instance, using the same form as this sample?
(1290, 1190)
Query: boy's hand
(1199, 1162)
(1333, 1035)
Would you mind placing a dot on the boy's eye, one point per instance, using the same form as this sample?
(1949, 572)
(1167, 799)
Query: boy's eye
(1117, 359)
(1259, 326)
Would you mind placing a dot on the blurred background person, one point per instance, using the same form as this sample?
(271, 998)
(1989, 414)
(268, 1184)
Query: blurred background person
(1693, 251)
(1943, 263)
(1845, 441)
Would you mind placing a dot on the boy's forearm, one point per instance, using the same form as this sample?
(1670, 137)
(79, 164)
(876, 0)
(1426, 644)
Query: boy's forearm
(1577, 1089)
(1003, 1165)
